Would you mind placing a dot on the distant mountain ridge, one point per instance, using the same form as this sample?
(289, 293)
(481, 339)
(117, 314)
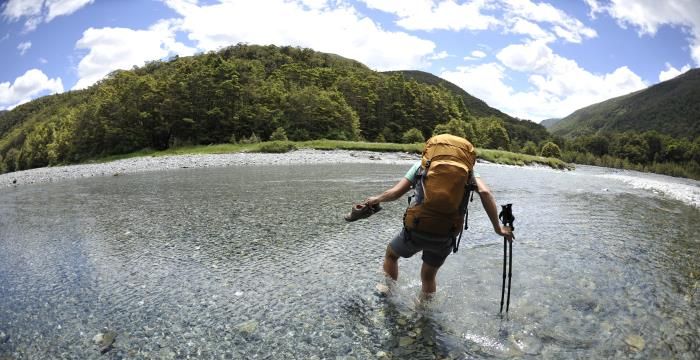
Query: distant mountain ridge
(548, 123)
(671, 107)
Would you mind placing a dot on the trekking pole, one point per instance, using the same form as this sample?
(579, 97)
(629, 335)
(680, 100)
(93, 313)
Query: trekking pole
(507, 218)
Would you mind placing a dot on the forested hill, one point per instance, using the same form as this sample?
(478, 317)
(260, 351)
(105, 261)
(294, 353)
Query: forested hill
(243, 92)
(520, 129)
(671, 107)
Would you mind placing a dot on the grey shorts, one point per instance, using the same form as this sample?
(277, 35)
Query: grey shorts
(435, 249)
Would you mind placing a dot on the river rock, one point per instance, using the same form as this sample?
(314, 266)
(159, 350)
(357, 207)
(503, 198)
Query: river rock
(105, 340)
(382, 289)
(635, 342)
(247, 327)
(4, 337)
(527, 344)
(405, 341)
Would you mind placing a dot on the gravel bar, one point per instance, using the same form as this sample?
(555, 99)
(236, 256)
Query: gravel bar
(157, 163)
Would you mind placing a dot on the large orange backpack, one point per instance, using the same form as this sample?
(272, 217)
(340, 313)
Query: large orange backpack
(443, 185)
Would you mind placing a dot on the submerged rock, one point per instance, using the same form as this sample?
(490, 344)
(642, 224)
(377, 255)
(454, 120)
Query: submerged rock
(247, 327)
(527, 344)
(405, 341)
(105, 340)
(635, 342)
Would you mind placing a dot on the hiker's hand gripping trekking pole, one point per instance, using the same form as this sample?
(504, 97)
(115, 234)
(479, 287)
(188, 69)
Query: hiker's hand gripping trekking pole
(507, 219)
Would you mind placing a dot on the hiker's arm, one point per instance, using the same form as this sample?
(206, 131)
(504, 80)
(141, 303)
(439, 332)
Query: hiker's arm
(489, 203)
(392, 194)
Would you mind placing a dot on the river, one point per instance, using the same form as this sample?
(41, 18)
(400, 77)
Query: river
(257, 262)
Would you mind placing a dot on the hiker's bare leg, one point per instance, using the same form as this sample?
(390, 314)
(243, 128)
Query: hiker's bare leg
(427, 277)
(391, 263)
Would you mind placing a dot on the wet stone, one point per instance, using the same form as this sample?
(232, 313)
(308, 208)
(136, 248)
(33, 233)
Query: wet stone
(528, 344)
(635, 342)
(105, 340)
(405, 341)
(247, 327)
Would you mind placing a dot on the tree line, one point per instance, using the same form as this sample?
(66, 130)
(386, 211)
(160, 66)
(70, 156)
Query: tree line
(248, 93)
(235, 94)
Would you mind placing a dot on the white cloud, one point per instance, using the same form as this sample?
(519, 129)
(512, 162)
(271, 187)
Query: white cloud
(64, 7)
(38, 11)
(648, 15)
(26, 87)
(672, 72)
(524, 27)
(559, 85)
(23, 47)
(566, 27)
(339, 29)
(439, 56)
(16, 9)
(475, 55)
(478, 54)
(518, 16)
(43, 60)
(437, 15)
(110, 49)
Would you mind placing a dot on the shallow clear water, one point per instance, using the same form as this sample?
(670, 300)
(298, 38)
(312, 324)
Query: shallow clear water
(256, 262)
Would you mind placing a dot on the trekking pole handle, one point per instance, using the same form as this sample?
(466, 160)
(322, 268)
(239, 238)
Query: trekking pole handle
(506, 215)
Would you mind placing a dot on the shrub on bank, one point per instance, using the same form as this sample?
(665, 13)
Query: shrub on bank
(277, 147)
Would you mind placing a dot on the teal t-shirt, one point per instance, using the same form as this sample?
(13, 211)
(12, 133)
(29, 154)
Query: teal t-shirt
(413, 171)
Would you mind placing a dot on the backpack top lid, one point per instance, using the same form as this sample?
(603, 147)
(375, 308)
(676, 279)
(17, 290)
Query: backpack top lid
(450, 149)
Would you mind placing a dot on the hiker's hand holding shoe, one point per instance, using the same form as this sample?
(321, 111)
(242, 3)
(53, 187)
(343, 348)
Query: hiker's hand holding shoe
(506, 232)
(372, 200)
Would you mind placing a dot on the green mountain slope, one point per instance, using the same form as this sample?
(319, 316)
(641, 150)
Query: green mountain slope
(671, 107)
(519, 130)
(548, 123)
(243, 92)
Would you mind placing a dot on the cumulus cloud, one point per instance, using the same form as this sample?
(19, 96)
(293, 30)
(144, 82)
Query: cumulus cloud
(517, 16)
(439, 56)
(23, 47)
(648, 15)
(559, 85)
(26, 87)
(564, 26)
(672, 72)
(475, 55)
(532, 30)
(109, 49)
(336, 29)
(38, 11)
(437, 15)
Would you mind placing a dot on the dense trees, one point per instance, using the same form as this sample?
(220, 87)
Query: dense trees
(250, 93)
(240, 93)
(647, 151)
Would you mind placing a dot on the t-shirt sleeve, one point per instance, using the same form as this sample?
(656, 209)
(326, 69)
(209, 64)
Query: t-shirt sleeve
(411, 174)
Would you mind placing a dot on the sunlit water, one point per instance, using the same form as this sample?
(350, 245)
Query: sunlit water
(256, 262)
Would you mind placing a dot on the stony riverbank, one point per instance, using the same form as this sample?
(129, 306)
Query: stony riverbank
(150, 163)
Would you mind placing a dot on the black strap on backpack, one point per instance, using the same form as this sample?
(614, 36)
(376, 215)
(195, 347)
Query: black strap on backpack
(468, 197)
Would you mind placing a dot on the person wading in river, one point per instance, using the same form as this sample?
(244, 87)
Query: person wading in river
(443, 181)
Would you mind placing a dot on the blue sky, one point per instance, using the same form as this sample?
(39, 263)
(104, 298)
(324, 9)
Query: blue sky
(531, 59)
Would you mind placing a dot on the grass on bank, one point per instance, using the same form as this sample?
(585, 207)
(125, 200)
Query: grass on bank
(494, 156)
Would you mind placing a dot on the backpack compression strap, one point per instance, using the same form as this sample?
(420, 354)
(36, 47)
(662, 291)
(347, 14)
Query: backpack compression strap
(468, 197)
